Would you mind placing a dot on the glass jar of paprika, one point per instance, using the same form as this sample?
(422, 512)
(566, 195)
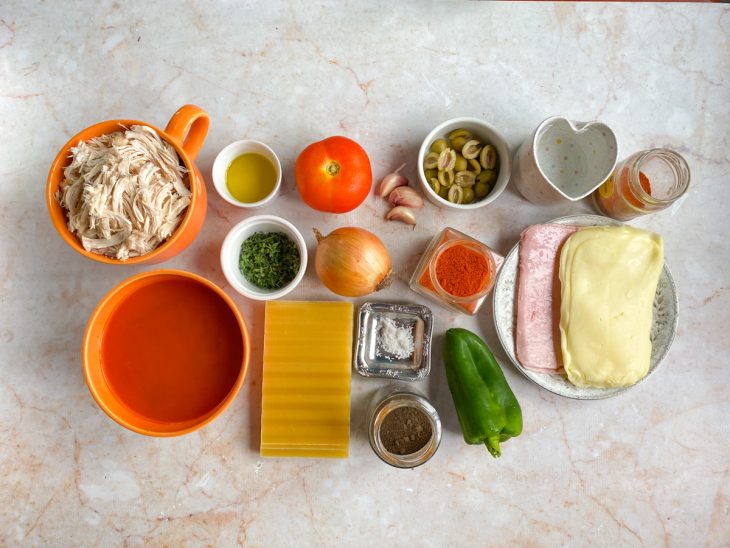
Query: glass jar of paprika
(457, 271)
(646, 182)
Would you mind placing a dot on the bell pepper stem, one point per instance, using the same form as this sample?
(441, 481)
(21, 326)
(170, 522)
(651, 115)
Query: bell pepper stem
(492, 444)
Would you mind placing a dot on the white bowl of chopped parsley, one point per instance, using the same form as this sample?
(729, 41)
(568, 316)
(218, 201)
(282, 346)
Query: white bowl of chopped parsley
(264, 257)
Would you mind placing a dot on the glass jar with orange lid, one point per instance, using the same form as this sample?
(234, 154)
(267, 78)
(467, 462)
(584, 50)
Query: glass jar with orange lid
(646, 182)
(457, 271)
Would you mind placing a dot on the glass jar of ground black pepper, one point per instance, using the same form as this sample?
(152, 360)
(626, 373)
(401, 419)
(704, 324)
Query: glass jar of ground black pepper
(404, 427)
(457, 271)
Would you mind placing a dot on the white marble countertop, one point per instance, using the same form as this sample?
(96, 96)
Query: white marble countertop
(647, 468)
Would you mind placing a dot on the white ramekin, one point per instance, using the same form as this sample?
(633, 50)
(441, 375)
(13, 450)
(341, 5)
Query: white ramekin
(231, 252)
(230, 153)
(486, 133)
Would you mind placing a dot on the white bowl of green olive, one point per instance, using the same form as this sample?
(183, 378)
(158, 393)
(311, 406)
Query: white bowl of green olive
(464, 163)
(264, 257)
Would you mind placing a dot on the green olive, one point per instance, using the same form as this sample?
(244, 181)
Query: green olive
(446, 177)
(446, 159)
(475, 166)
(438, 145)
(465, 133)
(487, 176)
(430, 173)
(471, 149)
(458, 143)
(461, 163)
(481, 189)
(444, 193)
(434, 182)
(488, 157)
(465, 178)
(456, 194)
(431, 160)
(467, 195)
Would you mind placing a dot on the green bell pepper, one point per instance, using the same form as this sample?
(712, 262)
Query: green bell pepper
(488, 410)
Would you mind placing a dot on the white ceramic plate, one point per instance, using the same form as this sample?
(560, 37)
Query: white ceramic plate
(662, 331)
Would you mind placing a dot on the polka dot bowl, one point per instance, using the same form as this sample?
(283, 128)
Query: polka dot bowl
(565, 160)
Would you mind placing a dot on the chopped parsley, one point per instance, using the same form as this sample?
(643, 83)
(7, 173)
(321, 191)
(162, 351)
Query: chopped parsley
(269, 260)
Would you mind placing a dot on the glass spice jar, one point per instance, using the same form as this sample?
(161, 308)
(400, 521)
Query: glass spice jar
(389, 399)
(469, 295)
(646, 182)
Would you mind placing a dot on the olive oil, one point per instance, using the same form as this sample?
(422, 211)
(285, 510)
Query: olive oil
(251, 177)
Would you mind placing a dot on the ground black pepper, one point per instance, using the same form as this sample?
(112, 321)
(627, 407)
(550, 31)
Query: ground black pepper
(405, 430)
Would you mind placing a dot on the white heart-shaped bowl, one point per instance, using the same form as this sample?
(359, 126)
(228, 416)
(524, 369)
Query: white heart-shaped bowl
(487, 134)
(575, 158)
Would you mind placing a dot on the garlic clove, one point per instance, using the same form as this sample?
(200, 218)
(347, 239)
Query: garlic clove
(402, 214)
(390, 182)
(406, 196)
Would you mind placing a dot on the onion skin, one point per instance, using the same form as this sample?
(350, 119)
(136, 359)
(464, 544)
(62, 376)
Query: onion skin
(352, 262)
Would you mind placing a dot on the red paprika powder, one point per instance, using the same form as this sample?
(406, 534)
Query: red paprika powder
(463, 267)
(461, 272)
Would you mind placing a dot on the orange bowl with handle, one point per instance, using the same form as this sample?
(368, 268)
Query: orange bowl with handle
(186, 132)
(165, 352)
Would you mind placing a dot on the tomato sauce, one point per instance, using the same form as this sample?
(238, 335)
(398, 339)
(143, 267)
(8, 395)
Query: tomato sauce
(172, 351)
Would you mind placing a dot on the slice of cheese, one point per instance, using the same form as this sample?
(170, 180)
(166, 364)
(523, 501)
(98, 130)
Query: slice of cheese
(305, 409)
(608, 281)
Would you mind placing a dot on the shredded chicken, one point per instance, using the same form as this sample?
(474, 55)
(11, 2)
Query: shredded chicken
(124, 192)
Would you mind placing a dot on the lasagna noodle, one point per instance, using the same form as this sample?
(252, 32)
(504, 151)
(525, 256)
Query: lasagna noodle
(608, 281)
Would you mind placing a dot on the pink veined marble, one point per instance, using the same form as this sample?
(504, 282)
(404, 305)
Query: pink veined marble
(537, 339)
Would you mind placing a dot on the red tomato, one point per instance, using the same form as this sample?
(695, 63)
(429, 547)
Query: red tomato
(333, 175)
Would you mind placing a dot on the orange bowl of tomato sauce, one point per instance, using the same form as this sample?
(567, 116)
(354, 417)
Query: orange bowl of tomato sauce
(165, 352)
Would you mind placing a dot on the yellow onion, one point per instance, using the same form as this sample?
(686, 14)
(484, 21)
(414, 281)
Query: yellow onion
(352, 262)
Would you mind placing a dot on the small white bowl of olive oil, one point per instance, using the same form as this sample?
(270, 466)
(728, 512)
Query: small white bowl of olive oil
(247, 174)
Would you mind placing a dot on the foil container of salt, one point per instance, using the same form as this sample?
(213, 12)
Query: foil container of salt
(394, 341)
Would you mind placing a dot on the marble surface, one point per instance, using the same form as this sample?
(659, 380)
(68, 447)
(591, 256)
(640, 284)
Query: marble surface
(648, 468)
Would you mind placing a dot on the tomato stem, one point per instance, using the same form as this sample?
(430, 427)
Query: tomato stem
(333, 168)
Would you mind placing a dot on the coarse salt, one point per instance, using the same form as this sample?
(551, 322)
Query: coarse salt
(395, 339)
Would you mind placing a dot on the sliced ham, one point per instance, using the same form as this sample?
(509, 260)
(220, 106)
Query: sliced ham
(537, 338)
